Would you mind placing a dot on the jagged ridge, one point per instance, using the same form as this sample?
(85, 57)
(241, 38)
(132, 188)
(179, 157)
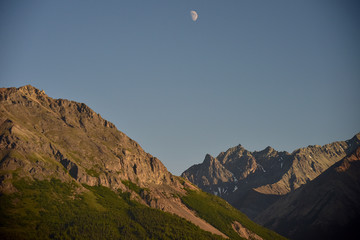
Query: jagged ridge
(325, 208)
(252, 181)
(89, 147)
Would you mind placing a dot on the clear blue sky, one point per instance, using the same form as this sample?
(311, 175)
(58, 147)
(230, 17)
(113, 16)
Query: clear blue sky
(280, 73)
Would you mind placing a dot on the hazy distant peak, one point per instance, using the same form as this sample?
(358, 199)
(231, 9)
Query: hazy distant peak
(269, 149)
(208, 158)
(239, 172)
(356, 137)
(236, 148)
(210, 161)
(266, 150)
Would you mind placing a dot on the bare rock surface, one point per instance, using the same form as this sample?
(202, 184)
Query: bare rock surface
(245, 233)
(68, 139)
(252, 181)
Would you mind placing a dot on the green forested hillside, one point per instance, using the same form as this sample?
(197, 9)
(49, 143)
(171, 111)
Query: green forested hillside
(54, 210)
(221, 214)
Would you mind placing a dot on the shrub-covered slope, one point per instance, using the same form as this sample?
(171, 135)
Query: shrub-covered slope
(223, 216)
(54, 210)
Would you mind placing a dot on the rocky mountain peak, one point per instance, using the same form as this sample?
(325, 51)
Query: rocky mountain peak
(63, 144)
(42, 138)
(237, 148)
(232, 153)
(325, 208)
(267, 172)
(267, 152)
(268, 149)
(355, 140)
(30, 89)
(72, 135)
(208, 160)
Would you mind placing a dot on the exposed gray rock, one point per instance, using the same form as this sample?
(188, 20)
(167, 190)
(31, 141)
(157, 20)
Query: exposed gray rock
(252, 181)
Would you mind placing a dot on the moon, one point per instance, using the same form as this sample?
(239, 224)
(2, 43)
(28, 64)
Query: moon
(194, 15)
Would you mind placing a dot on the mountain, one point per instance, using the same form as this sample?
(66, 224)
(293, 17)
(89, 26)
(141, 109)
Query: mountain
(326, 208)
(252, 181)
(67, 173)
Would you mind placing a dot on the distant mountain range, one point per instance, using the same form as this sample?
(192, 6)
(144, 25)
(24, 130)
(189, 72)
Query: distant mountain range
(67, 173)
(326, 208)
(263, 185)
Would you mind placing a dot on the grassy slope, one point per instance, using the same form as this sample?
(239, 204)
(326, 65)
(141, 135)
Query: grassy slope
(53, 210)
(221, 214)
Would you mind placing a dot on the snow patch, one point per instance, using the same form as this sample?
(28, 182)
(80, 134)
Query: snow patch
(261, 168)
(281, 165)
(215, 193)
(235, 188)
(235, 180)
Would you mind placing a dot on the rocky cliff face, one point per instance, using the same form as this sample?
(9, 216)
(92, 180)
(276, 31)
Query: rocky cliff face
(43, 138)
(252, 181)
(66, 139)
(326, 208)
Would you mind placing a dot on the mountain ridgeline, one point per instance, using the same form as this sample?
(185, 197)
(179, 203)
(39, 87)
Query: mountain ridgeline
(325, 208)
(67, 173)
(258, 182)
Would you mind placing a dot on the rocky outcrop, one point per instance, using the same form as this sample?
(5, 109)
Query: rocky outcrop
(211, 172)
(252, 181)
(70, 140)
(326, 208)
(245, 233)
(43, 138)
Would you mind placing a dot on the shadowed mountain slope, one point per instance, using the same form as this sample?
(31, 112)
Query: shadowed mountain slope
(326, 208)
